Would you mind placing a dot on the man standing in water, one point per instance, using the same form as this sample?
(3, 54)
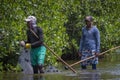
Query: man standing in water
(89, 43)
(38, 50)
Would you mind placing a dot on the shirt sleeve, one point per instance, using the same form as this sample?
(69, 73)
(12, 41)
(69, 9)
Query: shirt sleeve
(97, 39)
(40, 34)
(81, 42)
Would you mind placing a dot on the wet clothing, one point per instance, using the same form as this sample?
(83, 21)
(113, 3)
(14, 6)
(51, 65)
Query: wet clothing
(89, 44)
(86, 54)
(38, 50)
(38, 55)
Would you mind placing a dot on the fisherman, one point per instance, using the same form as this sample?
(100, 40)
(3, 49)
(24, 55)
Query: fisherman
(38, 50)
(89, 43)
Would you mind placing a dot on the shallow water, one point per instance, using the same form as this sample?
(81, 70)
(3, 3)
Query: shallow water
(107, 69)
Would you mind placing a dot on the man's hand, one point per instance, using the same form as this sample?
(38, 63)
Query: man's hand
(79, 54)
(96, 54)
(22, 43)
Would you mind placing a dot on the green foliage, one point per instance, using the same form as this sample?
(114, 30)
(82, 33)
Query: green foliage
(61, 21)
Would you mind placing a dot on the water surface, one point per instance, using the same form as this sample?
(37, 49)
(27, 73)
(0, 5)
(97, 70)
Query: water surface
(107, 69)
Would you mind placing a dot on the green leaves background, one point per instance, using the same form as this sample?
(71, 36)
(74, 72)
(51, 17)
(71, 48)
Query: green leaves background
(61, 21)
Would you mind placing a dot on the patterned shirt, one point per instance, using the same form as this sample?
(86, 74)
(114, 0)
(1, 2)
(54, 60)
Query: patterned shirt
(90, 39)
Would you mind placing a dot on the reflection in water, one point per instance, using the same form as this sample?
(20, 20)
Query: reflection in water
(89, 75)
(41, 77)
(85, 75)
(32, 77)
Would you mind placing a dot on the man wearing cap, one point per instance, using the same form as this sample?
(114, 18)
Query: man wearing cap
(38, 50)
(89, 43)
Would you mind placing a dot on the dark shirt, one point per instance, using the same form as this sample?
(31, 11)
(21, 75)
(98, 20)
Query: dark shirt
(31, 38)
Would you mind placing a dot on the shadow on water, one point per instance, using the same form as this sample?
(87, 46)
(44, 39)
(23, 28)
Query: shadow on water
(108, 69)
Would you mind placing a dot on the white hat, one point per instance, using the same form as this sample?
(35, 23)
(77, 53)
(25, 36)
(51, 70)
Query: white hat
(31, 18)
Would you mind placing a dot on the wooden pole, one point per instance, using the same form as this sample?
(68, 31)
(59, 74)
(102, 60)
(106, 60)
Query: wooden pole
(93, 56)
(60, 59)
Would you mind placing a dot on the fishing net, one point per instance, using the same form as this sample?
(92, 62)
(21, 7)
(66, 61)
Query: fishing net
(24, 61)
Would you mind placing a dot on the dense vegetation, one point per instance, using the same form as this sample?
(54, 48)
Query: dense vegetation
(61, 21)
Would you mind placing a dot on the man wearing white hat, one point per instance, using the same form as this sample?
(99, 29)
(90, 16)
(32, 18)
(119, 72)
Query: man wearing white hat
(38, 50)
